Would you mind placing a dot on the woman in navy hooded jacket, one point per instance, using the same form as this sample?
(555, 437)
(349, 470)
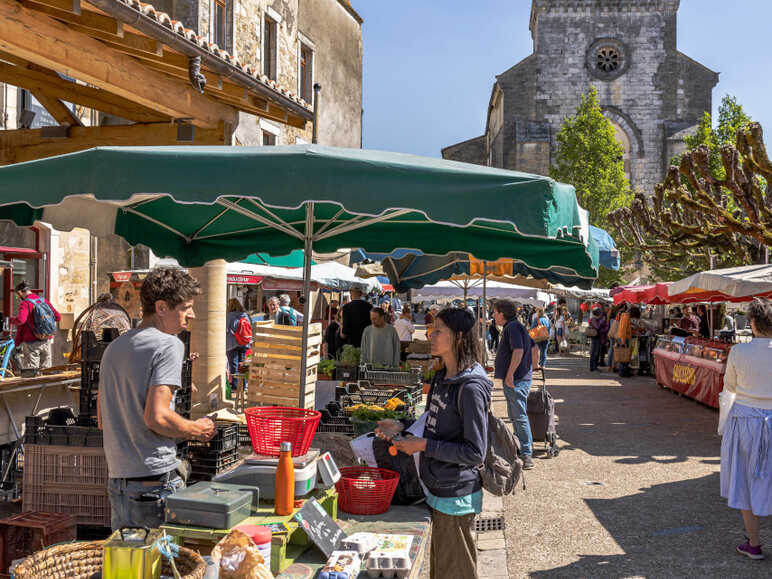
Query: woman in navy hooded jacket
(454, 443)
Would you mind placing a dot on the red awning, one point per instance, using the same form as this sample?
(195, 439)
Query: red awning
(644, 294)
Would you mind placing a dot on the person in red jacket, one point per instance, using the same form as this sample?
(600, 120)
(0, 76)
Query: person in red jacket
(33, 353)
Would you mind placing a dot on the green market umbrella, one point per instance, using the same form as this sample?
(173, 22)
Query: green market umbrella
(293, 259)
(202, 203)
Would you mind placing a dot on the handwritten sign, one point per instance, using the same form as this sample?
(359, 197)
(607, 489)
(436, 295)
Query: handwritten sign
(319, 526)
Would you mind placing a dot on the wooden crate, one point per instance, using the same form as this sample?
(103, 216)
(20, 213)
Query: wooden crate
(274, 371)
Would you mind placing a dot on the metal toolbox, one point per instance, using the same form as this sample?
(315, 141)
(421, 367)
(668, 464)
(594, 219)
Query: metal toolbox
(211, 504)
(130, 553)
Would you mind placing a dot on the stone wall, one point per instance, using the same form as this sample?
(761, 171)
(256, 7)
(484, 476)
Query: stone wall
(337, 41)
(334, 34)
(648, 89)
(471, 151)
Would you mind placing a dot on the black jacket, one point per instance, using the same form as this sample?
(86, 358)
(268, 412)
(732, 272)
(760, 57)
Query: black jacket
(456, 439)
(356, 317)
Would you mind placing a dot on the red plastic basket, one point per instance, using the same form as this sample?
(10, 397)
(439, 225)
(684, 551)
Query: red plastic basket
(363, 490)
(269, 426)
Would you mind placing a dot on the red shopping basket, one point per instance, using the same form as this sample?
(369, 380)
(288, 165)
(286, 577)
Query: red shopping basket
(363, 490)
(269, 426)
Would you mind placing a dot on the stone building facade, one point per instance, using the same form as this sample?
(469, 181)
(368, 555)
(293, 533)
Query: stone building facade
(652, 93)
(298, 43)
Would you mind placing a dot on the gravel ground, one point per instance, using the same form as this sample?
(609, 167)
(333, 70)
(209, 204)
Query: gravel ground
(634, 491)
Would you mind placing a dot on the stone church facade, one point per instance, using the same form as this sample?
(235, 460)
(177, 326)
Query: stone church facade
(653, 94)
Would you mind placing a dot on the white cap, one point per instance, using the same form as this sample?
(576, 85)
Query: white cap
(286, 447)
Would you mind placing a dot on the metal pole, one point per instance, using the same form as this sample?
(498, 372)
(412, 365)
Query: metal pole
(315, 133)
(307, 258)
(485, 312)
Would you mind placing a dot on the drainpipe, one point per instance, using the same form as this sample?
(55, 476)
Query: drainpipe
(317, 90)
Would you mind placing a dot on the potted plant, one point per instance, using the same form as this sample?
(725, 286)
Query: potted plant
(347, 365)
(325, 370)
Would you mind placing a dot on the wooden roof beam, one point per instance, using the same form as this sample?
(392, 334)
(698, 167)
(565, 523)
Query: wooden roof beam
(28, 144)
(45, 41)
(85, 18)
(47, 82)
(61, 113)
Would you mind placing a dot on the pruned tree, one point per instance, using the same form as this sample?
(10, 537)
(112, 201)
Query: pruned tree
(700, 211)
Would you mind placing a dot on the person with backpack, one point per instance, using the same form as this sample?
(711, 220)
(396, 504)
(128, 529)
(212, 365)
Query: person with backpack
(238, 336)
(36, 327)
(513, 371)
(287, 315)
(454, 444)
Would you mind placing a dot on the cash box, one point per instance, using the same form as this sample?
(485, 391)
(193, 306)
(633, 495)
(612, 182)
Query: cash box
(212, 504)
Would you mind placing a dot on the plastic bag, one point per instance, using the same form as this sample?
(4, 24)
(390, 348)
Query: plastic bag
(725, 403)
(564, 345)
(238, 558)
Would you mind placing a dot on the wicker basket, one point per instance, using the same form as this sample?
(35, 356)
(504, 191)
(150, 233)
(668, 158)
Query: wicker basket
(83, 560)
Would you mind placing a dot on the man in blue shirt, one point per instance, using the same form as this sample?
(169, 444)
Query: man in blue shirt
(513, 371)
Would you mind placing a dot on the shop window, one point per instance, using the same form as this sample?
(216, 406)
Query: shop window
(306, 75)
(270, 47)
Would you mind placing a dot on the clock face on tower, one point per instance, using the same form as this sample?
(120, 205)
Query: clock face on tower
(607, 58)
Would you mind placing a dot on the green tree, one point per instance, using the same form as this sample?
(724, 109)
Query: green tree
(713, 208)
(590, 158)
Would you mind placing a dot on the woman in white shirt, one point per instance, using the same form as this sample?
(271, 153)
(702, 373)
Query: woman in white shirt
(405, 330)
(746, 449)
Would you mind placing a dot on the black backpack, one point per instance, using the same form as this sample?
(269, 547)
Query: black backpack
(502, 467)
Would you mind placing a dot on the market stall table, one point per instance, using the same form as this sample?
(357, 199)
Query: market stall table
(680, 367)
(292, 554)
(399, 520)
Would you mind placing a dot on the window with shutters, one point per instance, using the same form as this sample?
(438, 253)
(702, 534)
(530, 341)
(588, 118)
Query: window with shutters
(306, 89)
(270, 52)
(220, 24)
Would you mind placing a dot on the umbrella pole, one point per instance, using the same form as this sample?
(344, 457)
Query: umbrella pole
(484, 313)
(307, 257)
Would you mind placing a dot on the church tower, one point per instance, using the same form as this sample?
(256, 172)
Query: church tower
(652, 93)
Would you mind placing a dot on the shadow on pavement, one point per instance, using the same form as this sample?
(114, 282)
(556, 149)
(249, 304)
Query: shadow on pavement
(666, 531)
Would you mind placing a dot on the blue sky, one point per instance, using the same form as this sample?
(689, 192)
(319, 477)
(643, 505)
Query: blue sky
(429, 64)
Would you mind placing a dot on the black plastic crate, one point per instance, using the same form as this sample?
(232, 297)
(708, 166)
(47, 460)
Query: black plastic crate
(244, 438)
(337, 424)
(226, 439)
(205, 469)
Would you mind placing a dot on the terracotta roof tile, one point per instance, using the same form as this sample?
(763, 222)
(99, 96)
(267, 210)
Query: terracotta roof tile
(190, 35)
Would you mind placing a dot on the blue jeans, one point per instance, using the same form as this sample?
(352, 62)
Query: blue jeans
(235, 357)
(140, 503)
(517, 399)
(543, 352)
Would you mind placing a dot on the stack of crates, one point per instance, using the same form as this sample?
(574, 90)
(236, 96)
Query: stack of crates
(26, 533)
(67, 479)
(208, 459)
(91, 357)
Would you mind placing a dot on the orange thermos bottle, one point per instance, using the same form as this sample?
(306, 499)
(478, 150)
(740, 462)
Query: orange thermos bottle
(284, 493)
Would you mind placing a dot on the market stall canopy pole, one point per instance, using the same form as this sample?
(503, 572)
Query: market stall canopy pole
(307, 309)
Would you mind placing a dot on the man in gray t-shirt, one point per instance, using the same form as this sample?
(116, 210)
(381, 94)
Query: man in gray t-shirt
(138, 375)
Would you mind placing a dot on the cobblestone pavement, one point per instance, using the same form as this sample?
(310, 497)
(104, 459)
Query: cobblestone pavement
(634, 491)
